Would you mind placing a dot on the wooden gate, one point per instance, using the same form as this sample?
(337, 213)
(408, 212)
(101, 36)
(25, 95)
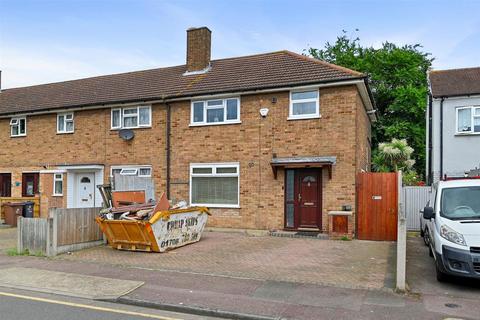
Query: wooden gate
(377, 206)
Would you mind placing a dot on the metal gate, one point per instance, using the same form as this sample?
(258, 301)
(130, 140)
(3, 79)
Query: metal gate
(414, 200)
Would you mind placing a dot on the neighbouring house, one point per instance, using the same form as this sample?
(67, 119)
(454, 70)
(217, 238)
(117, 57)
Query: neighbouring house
(267, 141)
(453, 123)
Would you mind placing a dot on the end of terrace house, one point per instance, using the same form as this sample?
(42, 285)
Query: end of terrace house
(266, 141)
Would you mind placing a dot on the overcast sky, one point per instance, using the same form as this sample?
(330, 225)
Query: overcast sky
(48, 41)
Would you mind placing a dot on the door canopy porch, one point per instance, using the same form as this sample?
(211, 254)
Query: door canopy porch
(304, 162)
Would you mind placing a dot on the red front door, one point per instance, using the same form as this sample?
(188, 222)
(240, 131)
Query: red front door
(303, 195)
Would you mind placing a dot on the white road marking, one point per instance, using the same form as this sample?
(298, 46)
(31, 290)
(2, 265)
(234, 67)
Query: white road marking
(86, 306)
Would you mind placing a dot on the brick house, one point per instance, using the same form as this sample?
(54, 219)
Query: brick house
(267, 141)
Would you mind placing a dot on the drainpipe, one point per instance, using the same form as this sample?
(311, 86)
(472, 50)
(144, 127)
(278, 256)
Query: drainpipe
(168, 148)
(441, 138)
(429, 146)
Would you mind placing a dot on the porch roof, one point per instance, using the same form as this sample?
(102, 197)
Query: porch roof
(304, 162)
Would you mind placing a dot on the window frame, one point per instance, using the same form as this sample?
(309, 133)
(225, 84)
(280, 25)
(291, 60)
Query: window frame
(65, 121)
(207, 107)
(315, 115)
(214, 173)
(137, 116)
(18, 119)
(55, 180)
(472, 120)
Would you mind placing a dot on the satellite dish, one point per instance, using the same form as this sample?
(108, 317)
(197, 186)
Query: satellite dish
(126, 134)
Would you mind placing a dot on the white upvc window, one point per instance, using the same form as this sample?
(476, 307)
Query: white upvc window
(18, 127)
(131, 117)
(216, 111)
(132, 170)
(468, 120)
(215, 185)
(58, 184)
(304, 104)
(65, 123)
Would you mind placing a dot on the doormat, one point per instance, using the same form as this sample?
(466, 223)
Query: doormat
(299, 234)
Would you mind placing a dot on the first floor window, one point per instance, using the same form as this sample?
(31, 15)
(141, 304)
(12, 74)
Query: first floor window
(131, 117)
(214, 185)
(304, 104)
(18, 127)
(65, 123)
(58, 184)
(468, 119)
(132, 170)
(216, 111)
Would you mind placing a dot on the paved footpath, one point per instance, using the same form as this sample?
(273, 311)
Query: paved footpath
(240, 298)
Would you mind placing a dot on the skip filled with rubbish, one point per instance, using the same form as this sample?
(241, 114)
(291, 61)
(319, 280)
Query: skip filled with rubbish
(149, 226)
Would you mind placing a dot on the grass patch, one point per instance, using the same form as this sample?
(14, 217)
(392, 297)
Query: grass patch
(12, 252)
(345, 238)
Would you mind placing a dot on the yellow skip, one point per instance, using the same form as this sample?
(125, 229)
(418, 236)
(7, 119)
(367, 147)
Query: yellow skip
(86, 306)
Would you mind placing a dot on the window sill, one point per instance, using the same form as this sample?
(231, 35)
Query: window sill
(19, 136)
(214, 124)
(304, 118)
(215, 206)
(57, 195)
(467, 134)
(134, 128)
(71, 132)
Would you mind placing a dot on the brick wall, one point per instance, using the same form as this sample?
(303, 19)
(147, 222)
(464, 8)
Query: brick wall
(339, 132)
(198, 48)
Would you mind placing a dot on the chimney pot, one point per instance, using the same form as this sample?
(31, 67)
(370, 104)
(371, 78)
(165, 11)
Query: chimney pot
(198, 48)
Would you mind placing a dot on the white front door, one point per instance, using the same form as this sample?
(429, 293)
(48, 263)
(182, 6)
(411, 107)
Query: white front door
(85, 194)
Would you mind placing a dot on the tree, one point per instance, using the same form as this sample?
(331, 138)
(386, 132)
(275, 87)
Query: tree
(393, 156)
(398, 79)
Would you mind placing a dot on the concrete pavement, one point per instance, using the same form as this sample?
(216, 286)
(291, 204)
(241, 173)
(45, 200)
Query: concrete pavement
(240, 298)
(70, 284)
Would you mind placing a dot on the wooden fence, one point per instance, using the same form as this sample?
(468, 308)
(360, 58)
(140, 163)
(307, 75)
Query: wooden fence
(65, 230)
(36, 208)
(32, 235)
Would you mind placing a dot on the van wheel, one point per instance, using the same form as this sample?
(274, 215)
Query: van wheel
(441, 277)
(426, 240)
(422, 233)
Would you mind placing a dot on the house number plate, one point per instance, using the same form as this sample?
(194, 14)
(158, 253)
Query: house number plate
(377, 197)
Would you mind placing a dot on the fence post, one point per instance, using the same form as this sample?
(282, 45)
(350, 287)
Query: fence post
(52, 229)
(401, 239)
(19, 235)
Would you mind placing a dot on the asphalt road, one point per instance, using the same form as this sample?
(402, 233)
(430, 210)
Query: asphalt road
(26, 305)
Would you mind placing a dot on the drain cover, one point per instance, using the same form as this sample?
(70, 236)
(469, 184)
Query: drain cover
(452, 305)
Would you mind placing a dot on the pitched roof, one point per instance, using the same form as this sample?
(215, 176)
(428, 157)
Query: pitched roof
(455, 82)
(262, 71)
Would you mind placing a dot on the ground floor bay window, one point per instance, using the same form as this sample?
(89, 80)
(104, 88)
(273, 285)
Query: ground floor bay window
(215, 185)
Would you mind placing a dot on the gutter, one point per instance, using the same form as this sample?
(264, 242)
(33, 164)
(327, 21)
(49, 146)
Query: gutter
(120, 103)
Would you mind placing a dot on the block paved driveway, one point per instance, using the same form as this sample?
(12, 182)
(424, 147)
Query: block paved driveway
(348, 264)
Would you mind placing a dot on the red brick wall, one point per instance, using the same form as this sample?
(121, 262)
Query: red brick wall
(339, 132)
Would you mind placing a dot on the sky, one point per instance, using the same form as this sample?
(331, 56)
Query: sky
(44, 41)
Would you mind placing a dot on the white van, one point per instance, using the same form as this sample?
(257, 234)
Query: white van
(452, 228)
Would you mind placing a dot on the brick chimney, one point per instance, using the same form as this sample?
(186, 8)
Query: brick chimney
(198, 49)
